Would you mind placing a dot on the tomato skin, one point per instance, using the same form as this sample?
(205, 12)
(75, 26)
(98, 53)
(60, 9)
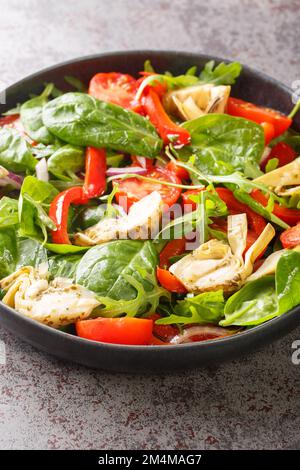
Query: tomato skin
(59, 209)
(289, 216)
(269, 131)
(291, 237)
(6, 120)
(113, 87)
(188, 204)
(126, 330)
(169, 281)
(283, 152)
(182, 173)
(163, 332)
(95, 168)
(131, 190)
(256, 222)
(173, 248)
(166, 128)
(259, 114)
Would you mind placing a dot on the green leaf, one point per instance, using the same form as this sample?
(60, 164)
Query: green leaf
(8, 212)
(255, 303)
(8, 251)
(80, 119)
(31, 117)
(15, 152)
(272, 165)
(203, 308)
(30, 253)
(66, 161)
(64, 265)
(222, 144)
(76, 83)
(62, 249)
(34, 200)
(222, 74)
(103, 269)
(288, 281)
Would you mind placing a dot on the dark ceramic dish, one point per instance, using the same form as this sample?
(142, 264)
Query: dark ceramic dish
(253, 86)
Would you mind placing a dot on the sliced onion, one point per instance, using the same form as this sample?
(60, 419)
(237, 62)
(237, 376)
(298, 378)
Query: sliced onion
(142, 161)
(9, 178)
(210, 331)
(42, 170)
(137, 170)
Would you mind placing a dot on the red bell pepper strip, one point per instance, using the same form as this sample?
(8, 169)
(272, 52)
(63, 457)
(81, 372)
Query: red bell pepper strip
(126, 330)
(59, 210)
(269, 131)
(290, 216)
(95, 168)
(6, 120)
(169, 281)
(291, 237)
(167, 129)
(172, 248)
(283, 152)
(259, 114)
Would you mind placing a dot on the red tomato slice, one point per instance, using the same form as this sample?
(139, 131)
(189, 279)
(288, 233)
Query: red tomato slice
(283, 152)
(169, 281)
(182, 173)
(135, 331)
(116, 88)
(131, 190)
(291, 237)
(289, 216)
(188, 204)
(6, 120)
(240, 108)
(163, 332)
(172, 248)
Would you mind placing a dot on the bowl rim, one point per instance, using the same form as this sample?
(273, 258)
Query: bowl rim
(218, 342)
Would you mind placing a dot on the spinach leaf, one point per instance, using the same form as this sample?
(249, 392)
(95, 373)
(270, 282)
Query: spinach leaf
(89, 216)
(8, 212)
(34, 201)
(288, 281)
(80, 119)
(222, 144)
(30, 253)
(15, 152)
(31, 117)
(203, 308)
(66, 161)
(255, 303)
(8, 251)
(222, 74)
(105, 268)
(64, 266)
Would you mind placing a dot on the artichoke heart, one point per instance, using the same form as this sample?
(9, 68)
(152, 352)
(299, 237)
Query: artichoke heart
(55, 303)
(285, 181)
(141, 223)
(217, 265)
(195, 101)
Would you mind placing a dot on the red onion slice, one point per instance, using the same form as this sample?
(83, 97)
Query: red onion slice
(206, 332)
(137, 170)
(9, 178)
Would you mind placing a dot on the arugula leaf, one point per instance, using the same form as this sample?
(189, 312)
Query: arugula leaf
(31, 117)
(221, 74)
(35, 198)
(104, 270)
(15, 152)
(62, 249)
(8, 212)
(222, 144)
(80, 119)
(288, 281)
(66, 161)
(8, 251)
(76, 83)
(203, 308)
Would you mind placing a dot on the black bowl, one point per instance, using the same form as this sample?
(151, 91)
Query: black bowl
(253, 86)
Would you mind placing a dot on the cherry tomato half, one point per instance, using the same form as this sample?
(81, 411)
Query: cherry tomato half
(131, 190)
(116, 88)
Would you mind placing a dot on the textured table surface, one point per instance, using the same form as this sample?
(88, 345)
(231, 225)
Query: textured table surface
(250, 403)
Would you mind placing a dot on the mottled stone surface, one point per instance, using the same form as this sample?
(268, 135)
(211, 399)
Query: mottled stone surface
(250, 403)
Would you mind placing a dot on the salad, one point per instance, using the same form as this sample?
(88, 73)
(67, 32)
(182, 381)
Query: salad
(150, 210)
